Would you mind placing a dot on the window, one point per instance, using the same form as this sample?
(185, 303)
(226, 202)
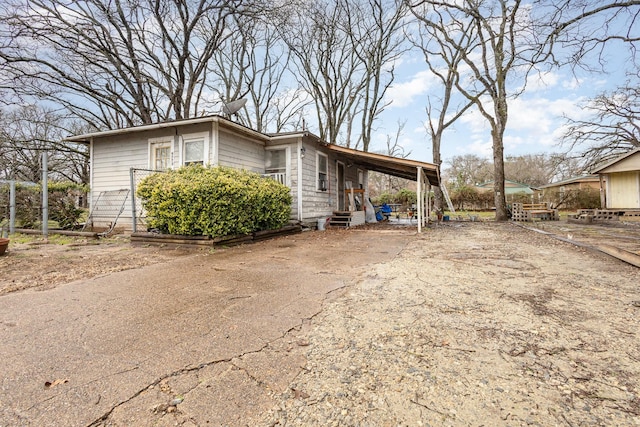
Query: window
(194, 151)
(276, 161)
(322, 163)
(160, 155)
(275, 165)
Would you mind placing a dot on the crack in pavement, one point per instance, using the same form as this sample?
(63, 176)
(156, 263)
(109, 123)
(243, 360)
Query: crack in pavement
(232, 361)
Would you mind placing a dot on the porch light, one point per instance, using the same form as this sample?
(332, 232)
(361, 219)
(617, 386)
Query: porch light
(302, 151)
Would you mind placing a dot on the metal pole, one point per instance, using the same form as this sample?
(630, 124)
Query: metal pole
(45, 197)
(134, 220)
(12, 207)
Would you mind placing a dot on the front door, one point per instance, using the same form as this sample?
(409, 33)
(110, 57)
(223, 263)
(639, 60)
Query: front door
(340, 185)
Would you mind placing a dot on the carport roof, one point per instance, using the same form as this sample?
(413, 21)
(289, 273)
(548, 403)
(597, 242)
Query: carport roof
(403, 168)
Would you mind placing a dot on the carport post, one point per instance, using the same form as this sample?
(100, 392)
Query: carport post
(419, 198)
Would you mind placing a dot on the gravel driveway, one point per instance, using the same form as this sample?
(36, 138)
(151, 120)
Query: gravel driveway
(476, 324)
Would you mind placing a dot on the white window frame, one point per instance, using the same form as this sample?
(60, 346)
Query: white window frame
(287, 150)
(155, 144)
(193, 137)
(320, 187)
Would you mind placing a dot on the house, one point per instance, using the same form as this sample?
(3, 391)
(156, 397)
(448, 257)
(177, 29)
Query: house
(581, 182)
(511, 188)
(559, 193)
(620, 180)
(319, 174)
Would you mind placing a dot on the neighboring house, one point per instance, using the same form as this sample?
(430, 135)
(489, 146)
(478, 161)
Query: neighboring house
(318, 173)
(511, 188)
(576, 183)
(621, 180)
(556, 191)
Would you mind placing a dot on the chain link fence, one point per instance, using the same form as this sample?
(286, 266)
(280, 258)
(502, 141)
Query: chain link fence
(20, 205)
(139, 216)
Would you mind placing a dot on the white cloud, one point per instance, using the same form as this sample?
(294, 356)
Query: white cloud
(542, 80)
(475, 122)
(481, 147)
(403, 94)
(539, 117)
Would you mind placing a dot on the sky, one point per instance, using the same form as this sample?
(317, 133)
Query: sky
(536, 118)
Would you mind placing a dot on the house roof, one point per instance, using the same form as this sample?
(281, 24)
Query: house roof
(511, 187)
(403, 168)
(86, 138)
(625, 156)
(581, 178)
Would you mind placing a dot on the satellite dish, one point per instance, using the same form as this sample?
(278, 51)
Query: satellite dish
(232, 107)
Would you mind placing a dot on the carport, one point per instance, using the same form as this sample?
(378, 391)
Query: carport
(425, 174)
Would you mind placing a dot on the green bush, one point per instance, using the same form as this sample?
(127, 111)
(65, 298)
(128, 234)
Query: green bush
(385, 197)
(404, 197)
(464, 194)
(61, 201)
(214, 201)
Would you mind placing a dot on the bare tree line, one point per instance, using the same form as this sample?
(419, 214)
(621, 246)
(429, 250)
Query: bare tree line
(110, 64)
(497, 44)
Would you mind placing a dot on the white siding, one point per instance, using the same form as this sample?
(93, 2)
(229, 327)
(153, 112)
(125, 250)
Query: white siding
(112, 161)
(114, 156)
(624, 190)
(240, 152)
(316, 203)
(630, 164)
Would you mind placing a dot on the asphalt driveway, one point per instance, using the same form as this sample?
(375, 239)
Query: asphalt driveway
(213, 335)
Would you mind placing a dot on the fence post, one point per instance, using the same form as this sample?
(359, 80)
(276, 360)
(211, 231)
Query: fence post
(12, 207)
(45, 196)
(134, 220)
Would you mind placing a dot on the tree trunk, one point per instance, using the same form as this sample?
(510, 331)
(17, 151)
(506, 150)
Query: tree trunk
(498, 176)
(438, 197)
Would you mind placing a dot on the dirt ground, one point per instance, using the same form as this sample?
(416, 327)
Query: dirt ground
(470, 324)
(39, 265)
(479, 325)
(35, 264)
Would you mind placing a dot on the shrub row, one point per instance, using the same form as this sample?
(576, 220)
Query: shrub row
(213, 201)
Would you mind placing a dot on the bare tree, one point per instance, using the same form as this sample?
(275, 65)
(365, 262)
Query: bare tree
(113, 63)
(579, 30)
(343, 54)
(383, 182)
(494, 45)
(468, 170)
(582, 34)
(253, 64)
(375, 32)
(443, 61)
(26, 132)
(531, 169)
(612, 129)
